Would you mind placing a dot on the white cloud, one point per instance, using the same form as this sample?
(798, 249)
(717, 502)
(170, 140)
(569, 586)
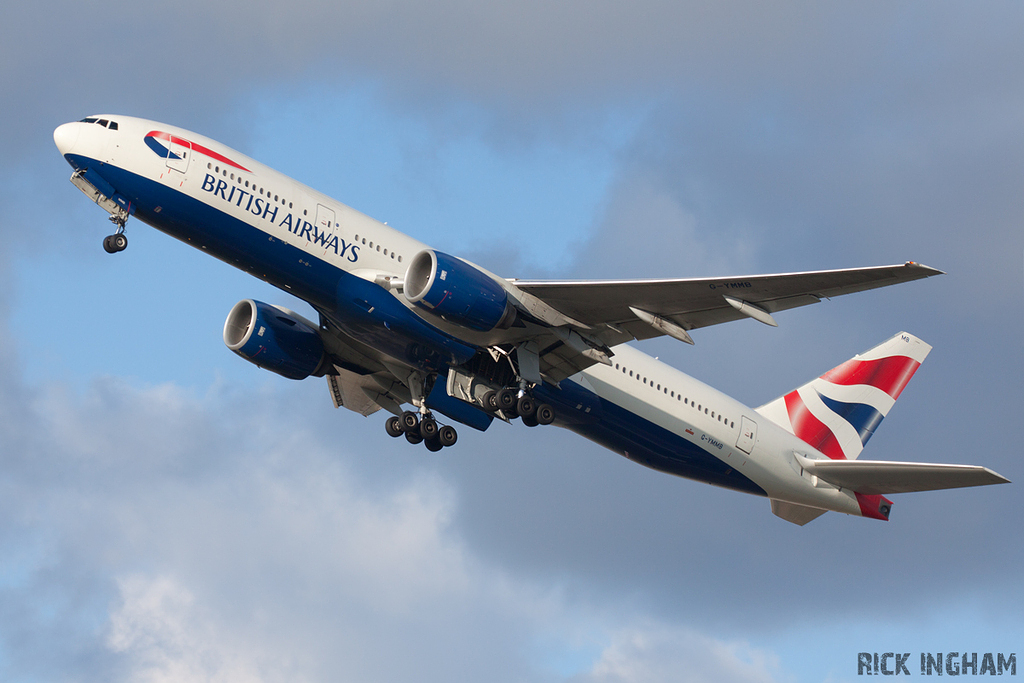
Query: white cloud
(159, 628)
(654, 653)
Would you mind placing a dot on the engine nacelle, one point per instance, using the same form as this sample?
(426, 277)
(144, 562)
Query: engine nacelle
(275, 339)
(458, 292)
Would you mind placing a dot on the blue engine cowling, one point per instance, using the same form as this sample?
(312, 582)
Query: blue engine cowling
(457, 291)
(275, 339)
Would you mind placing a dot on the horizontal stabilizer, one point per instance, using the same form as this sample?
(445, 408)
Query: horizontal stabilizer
(879, 477)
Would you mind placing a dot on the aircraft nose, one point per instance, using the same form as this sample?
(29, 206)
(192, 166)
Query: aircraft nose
(65, 137)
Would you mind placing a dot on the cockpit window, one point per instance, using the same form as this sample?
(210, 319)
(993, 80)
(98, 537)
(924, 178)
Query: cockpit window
(110, 125)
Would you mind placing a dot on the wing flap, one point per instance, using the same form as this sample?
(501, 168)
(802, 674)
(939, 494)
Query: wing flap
(878, 477)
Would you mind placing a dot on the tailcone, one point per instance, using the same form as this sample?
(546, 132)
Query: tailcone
(874, 506)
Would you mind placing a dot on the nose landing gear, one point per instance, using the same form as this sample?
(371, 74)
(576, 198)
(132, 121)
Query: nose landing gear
(118, 241)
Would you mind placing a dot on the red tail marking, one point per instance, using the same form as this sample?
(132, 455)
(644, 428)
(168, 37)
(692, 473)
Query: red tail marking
(888, 374)
(810, 429)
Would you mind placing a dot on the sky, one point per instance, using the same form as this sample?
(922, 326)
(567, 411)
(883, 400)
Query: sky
(169, 512)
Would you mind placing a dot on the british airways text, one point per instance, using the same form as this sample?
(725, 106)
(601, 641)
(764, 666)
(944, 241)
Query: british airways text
(258, 206)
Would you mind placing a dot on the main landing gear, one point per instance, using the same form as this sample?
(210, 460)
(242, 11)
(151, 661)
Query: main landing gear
(517, 403)
(421, 427)
(118, 241)
(425, 430)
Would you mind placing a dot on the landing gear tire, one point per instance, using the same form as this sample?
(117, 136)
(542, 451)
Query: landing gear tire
(447, 436)
(411, 423)
(393, 426)
(526, 407)
(433, 445)
(507, 399)
(530, 420)
(413, 437)
(428, 428)
(491, 402)
(545, 414)
(115, 243)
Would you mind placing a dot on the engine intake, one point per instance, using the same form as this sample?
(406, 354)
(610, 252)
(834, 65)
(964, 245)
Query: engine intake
(275, 339)
(457, 291)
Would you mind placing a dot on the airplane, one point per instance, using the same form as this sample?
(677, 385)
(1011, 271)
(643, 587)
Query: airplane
(400, 323)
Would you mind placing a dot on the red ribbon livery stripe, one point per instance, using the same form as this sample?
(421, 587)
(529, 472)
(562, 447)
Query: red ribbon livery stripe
(198, 148)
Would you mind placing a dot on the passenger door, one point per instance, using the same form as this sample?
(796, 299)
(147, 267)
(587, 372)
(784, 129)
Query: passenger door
(748, 435)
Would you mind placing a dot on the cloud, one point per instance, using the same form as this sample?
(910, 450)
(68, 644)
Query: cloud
(655, 653)
(157, 627)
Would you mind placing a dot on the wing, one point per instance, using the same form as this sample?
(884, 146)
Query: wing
(641, 309)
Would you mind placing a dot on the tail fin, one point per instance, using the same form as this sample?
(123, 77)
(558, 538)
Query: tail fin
(838, 412)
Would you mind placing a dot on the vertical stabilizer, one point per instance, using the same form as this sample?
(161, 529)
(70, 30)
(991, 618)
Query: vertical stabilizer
(838, 412)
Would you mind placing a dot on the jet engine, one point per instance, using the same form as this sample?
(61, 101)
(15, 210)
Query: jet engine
(275, 339)
(457, 291)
